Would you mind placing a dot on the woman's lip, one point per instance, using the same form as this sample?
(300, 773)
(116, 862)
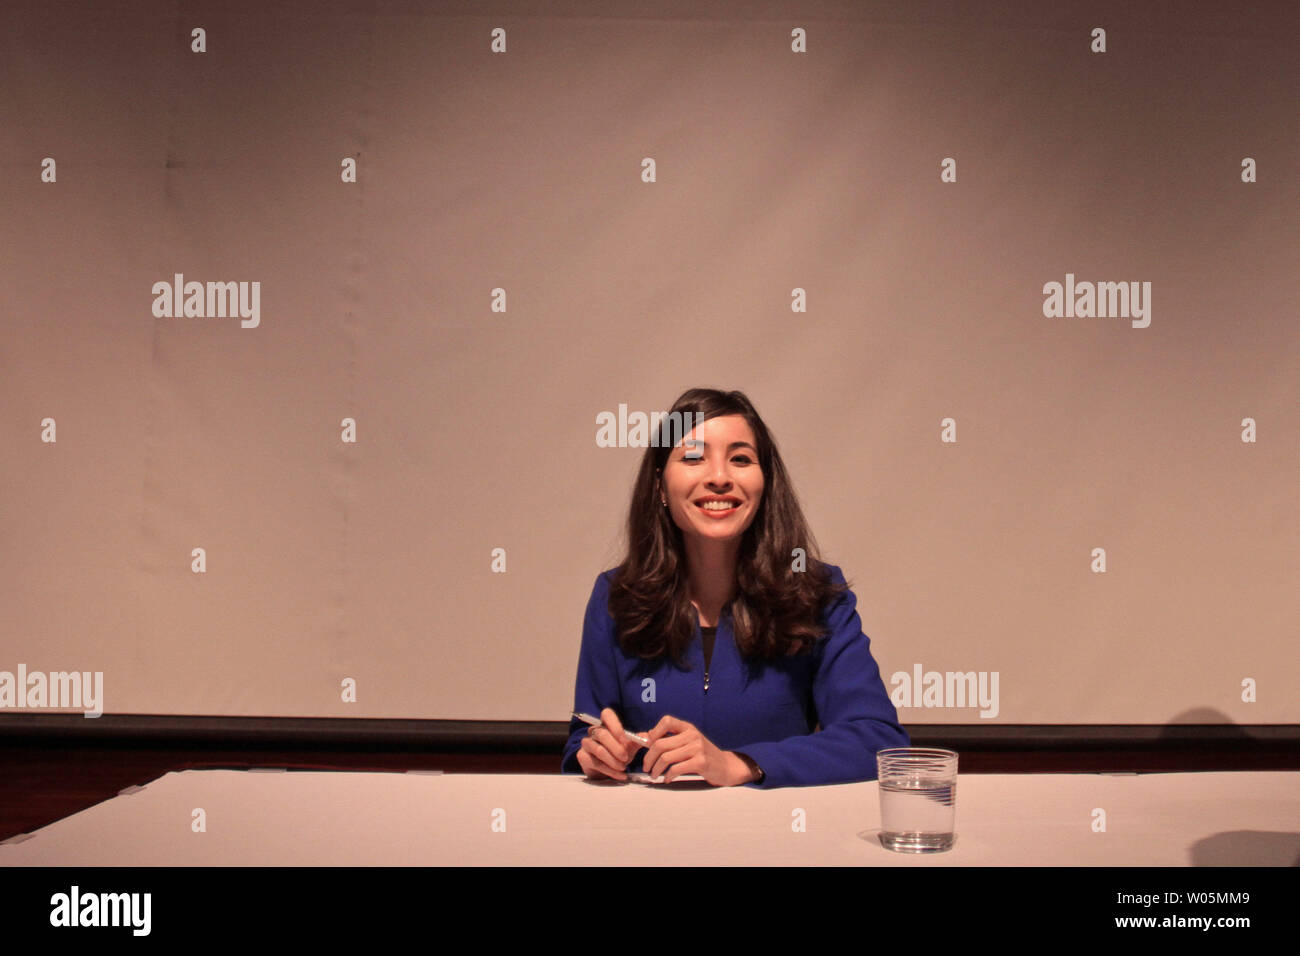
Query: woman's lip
(717, 514)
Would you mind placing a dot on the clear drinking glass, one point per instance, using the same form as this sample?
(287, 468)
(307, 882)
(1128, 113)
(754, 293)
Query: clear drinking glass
(918, 798)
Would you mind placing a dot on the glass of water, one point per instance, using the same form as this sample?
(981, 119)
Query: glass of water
(918, 798)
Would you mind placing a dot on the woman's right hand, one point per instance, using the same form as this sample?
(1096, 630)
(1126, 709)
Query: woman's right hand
(605, 752)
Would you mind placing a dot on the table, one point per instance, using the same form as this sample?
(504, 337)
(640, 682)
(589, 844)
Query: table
(356, 819)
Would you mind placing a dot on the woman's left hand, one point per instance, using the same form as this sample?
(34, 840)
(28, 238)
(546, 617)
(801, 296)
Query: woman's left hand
(677, 747)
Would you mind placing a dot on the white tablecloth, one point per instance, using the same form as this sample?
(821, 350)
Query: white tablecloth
(349, 819)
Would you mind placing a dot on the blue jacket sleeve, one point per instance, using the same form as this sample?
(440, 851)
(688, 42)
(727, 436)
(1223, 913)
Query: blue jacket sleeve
(856, 715)
(597, 685)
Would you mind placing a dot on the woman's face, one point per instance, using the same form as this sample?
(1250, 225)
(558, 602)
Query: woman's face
(723, 464)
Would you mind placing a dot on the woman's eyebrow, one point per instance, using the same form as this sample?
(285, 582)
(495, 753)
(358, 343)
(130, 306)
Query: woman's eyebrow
(692, 444)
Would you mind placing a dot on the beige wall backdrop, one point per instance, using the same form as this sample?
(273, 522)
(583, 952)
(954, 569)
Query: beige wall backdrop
(1169, 158)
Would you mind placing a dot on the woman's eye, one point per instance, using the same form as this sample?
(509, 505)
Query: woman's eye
(744, 458)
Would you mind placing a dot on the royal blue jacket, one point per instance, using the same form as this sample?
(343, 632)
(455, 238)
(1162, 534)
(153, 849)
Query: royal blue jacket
(770, 713)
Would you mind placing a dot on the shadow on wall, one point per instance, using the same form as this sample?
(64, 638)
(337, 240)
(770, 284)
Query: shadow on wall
(1203, 723)
(1235, 847)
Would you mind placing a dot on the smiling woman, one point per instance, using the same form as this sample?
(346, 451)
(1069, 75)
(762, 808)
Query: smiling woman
(722, 630)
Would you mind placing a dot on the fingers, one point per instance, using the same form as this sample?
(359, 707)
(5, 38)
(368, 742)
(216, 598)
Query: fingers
(616, 747)
(668, 724)
(610, 719)
(693, 765)
(670, 765)
(596, 761)
(670, 750)
(606, 752)
(611, 735)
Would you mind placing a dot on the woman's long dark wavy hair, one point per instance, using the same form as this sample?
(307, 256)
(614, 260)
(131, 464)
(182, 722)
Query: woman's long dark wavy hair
(776, 610)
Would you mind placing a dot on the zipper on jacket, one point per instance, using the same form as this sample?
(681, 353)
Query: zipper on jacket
(706, 662)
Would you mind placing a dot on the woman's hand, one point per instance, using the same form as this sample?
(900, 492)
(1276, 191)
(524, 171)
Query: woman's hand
(605, 752)
(677, 747)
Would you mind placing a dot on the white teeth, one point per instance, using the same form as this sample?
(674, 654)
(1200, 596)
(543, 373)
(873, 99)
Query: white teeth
(718, 505)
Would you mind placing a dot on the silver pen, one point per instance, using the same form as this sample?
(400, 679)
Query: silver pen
(597, 722)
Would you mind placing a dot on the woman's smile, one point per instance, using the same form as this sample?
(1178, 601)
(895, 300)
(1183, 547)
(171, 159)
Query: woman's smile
(718, 507)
